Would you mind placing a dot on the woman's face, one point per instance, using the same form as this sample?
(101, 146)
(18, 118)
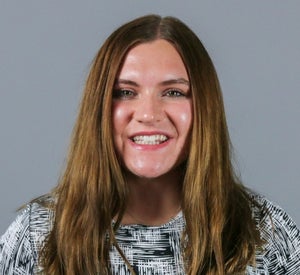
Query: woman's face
(152, 110)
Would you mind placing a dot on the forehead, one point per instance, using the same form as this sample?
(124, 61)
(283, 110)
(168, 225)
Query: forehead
(158, 57)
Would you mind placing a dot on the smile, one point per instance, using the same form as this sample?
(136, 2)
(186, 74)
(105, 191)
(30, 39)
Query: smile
(150, 140)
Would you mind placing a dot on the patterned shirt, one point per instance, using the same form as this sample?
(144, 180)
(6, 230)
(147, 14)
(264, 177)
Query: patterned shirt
(151, 250)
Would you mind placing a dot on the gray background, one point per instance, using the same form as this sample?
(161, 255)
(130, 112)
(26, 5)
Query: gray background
(45, 51)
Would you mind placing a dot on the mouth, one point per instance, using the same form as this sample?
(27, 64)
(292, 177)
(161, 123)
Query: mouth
(150, 139)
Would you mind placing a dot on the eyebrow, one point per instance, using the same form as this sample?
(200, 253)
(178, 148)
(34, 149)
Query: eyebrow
(163, 83)
(176, 81)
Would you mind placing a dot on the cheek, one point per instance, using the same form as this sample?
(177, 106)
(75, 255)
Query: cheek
(118, 118)
(185, 117)
(117, 115)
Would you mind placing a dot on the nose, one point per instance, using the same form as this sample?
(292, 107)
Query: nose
(149, 110)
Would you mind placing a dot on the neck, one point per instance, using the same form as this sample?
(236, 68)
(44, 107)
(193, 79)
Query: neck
(153, 201)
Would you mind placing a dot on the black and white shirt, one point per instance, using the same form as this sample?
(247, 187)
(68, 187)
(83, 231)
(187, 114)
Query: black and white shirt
(151, 250)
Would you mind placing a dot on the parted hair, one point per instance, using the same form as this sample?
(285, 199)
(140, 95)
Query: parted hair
(220, 236)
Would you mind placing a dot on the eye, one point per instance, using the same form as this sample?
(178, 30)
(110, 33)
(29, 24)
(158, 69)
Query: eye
(174, 93)
(123, 94)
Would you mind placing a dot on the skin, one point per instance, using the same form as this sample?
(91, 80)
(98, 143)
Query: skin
(152, 117)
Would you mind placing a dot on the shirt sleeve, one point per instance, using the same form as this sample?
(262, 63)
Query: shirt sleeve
(290, 236)
(283, 241)
(16, 254)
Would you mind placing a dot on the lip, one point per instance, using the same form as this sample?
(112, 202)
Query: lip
(149, 146)
(151, 133)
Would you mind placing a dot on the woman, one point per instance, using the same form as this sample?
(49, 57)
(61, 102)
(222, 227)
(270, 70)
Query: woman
(149, 186)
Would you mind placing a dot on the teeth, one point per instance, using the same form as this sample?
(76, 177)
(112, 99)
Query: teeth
(150, 140)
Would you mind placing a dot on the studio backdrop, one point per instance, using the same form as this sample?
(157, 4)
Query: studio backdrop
(46, 48)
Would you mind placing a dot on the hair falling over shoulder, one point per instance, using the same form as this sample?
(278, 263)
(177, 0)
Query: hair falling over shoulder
(220, 235)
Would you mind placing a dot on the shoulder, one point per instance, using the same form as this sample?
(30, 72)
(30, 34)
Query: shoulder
(20, 244)
(281, 237)
(273, 221)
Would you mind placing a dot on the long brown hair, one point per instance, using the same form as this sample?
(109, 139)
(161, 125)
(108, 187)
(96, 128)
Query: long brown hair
(220, 235)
